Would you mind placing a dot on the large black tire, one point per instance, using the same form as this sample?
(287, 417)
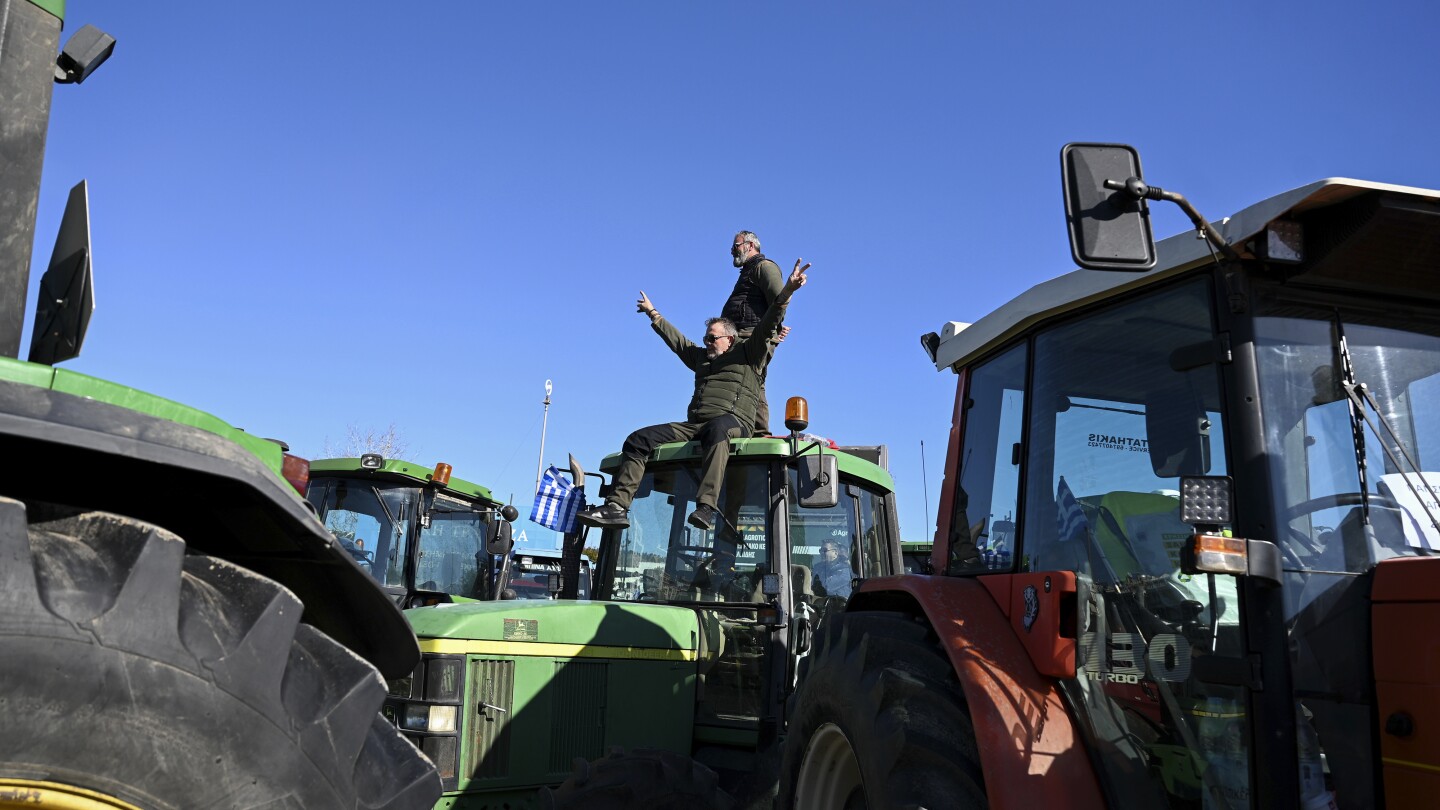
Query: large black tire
(642, 779)
(879, 721)
(164, 680)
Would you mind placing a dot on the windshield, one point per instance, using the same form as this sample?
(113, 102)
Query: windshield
(1321, 489)
(530, 576)
(371, 522)
(662, 558)
(452, 549)
(1343, 504)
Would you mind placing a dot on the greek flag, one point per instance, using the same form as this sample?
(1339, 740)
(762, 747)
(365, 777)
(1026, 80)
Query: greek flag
(1068, 514)
(557, 502)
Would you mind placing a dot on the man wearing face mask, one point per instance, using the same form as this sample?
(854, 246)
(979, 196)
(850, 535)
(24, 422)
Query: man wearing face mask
(729, 372)
(755, 290)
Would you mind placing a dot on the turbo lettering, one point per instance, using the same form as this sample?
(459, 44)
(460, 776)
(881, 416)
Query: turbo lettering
(1126, 658)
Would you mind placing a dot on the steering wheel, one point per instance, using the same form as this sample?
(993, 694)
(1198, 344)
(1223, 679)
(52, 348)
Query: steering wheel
(695, 558)
(1338, 499)
(1314, 505)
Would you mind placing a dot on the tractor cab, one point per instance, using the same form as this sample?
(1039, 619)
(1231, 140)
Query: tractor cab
(801, 521)
(1224, 476)
(425, 536)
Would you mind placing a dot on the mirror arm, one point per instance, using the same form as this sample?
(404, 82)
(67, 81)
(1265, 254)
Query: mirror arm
(1137, 190)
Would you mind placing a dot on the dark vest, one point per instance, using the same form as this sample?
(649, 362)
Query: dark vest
(747, 301)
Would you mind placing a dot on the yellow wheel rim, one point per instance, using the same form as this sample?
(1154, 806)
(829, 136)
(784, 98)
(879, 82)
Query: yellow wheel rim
(55, 796)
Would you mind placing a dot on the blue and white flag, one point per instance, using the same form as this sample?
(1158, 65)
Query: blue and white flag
(1068, 514)
(558, 502)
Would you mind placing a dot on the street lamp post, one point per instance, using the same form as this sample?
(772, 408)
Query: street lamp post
(544, 425)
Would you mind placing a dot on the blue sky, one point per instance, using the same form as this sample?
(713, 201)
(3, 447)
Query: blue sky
(308, 216)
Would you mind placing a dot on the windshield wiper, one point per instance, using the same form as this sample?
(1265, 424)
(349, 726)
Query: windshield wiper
(1359, 395)
(1357, 414)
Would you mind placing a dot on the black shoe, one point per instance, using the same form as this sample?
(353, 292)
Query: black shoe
(703, 517)
(607, 515)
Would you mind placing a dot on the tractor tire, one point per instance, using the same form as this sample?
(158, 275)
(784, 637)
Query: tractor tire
(879, 722)
(137, 676)
(644, 778)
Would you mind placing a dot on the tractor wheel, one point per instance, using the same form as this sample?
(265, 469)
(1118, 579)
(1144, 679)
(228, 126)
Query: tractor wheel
(644, 778)
(879, 722)
(137, 676)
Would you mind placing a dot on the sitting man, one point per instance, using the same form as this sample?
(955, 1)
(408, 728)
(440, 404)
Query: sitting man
(729, 374)
(832, 571)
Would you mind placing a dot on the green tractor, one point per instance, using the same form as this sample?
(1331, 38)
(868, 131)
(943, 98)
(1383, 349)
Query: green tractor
(423, 535)
(681, 663)
(178, 630)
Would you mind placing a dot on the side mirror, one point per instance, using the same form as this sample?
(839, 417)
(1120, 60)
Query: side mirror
(1109, 229)
(552, 583)
(819, 481)
(499, 541)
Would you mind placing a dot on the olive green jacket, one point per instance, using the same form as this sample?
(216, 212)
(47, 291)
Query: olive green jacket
(731, 382)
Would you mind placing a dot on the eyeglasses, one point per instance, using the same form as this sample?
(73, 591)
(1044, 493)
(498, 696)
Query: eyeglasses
(717, 338)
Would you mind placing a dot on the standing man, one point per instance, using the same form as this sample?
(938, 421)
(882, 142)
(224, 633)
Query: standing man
(754, 292)
(729, 373)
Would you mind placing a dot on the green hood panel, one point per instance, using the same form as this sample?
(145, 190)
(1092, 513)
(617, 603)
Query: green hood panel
(593, 624)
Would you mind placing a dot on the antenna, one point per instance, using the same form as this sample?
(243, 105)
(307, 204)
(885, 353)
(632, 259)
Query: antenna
(544, 425)
(924, 480)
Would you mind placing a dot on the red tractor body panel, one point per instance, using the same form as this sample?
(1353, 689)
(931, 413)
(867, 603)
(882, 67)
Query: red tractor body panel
(1031, 752)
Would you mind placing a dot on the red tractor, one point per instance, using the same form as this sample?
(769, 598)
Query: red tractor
(1216, 582)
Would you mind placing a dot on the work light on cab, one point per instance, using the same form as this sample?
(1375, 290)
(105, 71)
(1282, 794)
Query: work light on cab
(1205, 503)
(441, 475)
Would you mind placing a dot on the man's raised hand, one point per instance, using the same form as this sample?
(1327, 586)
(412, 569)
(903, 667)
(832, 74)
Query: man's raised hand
(797, 276)
(644, 305)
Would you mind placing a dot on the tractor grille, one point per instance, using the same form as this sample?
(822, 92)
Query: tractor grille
(578, 713)
(488, 756)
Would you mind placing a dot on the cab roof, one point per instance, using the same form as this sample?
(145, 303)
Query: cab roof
(740, 449)
(407, 472)
(961, 343)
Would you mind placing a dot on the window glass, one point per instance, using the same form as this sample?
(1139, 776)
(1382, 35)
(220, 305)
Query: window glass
(1123, 402)
(823, 552)
(661, 557)
(983, 527)
(371, 523)
(452, 549)
(874, 534)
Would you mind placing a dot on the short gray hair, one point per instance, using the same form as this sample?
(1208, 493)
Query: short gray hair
(725, 324)
(749, 236)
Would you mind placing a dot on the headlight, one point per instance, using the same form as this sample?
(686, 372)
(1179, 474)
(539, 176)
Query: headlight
(435, 719)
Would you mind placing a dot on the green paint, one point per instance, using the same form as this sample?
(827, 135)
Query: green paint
(55, 7)
(603, 624)
(752, 448)
(407, 472)
(82, 385)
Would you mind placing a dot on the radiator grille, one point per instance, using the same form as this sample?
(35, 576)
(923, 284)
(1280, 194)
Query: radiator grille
(488, 756)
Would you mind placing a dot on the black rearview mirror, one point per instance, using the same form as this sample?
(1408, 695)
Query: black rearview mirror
(498, 541)
(1109, 229)
(818, 480)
